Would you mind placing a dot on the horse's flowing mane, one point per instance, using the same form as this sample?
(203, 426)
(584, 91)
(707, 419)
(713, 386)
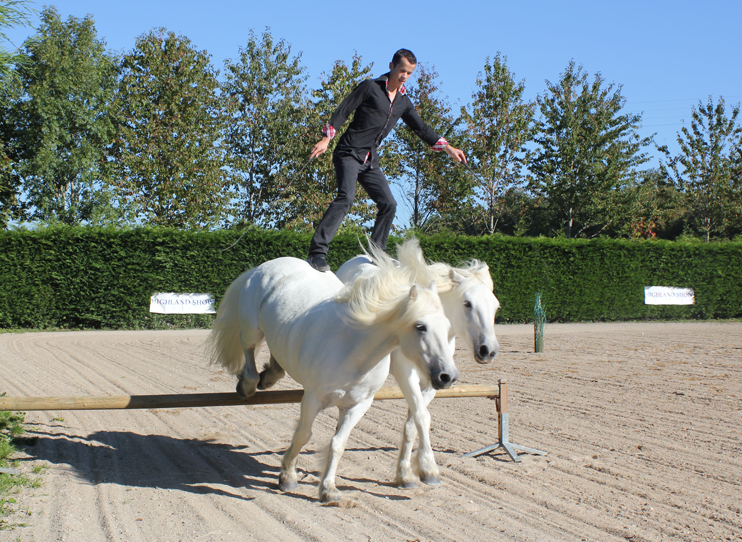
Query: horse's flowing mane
(410, 255)
(385, 295)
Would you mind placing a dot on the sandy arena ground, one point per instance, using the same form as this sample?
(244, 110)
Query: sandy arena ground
(641, 422)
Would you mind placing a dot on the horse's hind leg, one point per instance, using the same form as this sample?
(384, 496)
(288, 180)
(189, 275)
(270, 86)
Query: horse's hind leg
(310, 407)
(270, 375)
(247, 383)
(348, 419)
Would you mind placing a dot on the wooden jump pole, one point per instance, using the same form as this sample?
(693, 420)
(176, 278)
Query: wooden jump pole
(117, 402)
(498, 393)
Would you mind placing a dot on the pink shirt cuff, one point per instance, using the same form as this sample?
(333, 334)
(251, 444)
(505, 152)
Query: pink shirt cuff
(440, 144)
(329, 131)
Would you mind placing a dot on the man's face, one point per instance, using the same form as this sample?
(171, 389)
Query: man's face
(401, 71)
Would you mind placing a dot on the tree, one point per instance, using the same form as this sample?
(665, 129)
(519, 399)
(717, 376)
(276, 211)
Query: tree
(265, 107)
(587, 151)
(314, 188)
(735, 222)
(61, 122)
(652, 207)
(11, 206)
(427, 179)
(500, 124)
(166, 153)
(707, 170)
(12, 13)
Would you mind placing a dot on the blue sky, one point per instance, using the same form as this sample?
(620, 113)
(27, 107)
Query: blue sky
(666, 55)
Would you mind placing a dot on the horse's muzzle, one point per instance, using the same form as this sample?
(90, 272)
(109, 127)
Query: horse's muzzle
(485, 354)
(444, 379)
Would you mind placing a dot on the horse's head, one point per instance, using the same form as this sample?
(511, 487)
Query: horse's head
(423, 332)
(386, 292)
(467, 297)
(472, 309)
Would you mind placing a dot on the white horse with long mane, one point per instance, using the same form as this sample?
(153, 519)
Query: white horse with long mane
(333, 339)
(470, 305)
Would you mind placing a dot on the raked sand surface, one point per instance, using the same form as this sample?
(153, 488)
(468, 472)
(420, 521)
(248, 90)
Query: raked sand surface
(642, 423)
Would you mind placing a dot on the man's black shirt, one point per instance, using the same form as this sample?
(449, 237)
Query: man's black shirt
(373, 120)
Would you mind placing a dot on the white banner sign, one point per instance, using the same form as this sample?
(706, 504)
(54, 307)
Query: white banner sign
(169, 303)
(664, 295)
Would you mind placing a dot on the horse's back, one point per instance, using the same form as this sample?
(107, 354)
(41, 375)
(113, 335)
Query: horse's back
(287, 287)
(293, 306)
(355, 267)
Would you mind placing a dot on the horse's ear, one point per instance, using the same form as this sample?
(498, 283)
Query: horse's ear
(456, 277)
(413, 291)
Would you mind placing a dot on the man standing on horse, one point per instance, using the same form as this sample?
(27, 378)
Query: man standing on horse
(378, 105)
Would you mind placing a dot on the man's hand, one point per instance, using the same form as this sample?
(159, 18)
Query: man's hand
(320, 147)
(456, 154)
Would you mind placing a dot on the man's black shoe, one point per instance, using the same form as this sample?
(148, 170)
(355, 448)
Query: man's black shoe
(318, 262)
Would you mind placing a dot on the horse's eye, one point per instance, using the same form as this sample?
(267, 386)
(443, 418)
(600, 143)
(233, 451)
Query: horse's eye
(421, 328)
(467, 304)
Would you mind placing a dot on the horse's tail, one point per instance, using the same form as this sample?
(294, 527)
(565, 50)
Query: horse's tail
(224, 346)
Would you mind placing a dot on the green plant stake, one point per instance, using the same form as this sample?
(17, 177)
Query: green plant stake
(539, 318)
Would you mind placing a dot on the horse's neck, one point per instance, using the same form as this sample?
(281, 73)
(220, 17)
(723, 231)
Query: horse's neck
(451, 308)
(370, 345)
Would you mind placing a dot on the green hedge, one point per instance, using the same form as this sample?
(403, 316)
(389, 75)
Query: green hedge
(65, 277)
(589, 280)
(103, 278)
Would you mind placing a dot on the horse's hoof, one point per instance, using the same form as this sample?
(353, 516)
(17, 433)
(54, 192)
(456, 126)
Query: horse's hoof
(264, 383)
(245, 389)
(330, 496)
(409, 484)
(431, 480)
(286, 485)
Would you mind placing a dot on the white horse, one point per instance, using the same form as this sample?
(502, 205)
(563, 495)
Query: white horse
(470, 305)
(332, 339)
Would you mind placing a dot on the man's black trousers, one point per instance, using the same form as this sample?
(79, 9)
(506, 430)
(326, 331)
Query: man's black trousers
(348, 170)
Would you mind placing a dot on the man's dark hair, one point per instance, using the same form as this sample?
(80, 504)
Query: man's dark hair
(406, 53)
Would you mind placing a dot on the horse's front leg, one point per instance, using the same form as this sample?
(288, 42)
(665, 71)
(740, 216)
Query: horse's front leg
(348, 418)
(409, 382)
(310, 407)
(426, 467)
(418, 422)
(405, 476)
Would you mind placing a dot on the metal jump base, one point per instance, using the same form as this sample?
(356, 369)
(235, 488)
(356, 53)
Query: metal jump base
(503, 430)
